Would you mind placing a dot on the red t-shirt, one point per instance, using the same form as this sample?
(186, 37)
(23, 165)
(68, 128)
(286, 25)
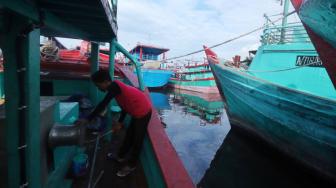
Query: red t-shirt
(132, 100)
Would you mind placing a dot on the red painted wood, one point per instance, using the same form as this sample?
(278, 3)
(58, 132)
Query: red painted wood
(325, 50)
(296, 4)
(211, 54)
(171, 166)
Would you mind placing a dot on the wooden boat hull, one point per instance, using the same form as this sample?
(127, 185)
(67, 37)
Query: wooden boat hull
(299, 124)
(319, 19)
(155, 78)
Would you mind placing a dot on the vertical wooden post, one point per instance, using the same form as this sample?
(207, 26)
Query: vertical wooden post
(11, 107)
(284, 21)
(112, 55)
(31, 58)
(113, 50)
(22, 95)
(94, 60)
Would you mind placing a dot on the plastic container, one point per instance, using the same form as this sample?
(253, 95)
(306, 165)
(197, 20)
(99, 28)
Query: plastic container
(80, 164)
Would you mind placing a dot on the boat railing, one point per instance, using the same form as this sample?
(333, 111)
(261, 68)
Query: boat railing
(135, 62)
(291, 33)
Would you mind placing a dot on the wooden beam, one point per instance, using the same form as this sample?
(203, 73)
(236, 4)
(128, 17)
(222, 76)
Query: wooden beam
(70, 4)
(12, 104)
(31, 59)
(83, 14)
(94, 66)
(22, 93)
(30, 11)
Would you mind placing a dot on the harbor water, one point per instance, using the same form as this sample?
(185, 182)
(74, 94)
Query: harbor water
(216, 154)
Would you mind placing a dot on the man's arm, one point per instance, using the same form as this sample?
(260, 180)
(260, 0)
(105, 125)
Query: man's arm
(113, 91)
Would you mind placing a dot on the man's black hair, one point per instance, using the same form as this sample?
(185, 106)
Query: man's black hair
(100, 76)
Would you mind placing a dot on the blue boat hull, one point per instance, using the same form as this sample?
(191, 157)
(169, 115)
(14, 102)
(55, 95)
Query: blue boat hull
(299, 124)
(156, 78)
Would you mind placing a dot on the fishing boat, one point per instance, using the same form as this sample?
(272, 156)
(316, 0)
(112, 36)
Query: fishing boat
(285, 97)
(153, 71)
(34, 151)
(207, 106)
(194, 77)
(319, 19)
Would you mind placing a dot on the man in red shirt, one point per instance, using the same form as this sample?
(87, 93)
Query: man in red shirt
(132, 101)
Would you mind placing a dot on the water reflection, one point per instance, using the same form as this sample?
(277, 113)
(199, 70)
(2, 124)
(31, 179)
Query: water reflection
(208, 107)
(216, 155)
(244, 161)
(188, 121)
(159, 100)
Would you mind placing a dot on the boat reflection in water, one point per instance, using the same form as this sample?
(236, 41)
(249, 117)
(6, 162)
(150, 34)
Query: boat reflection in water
(208, 106)
(195, 124)
(245, 161)
(217, 155)
(159, 100)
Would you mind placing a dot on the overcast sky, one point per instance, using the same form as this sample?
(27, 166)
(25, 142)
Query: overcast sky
(185, 25)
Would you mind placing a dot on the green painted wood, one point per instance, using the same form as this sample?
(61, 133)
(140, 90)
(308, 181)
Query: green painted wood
(113, 50)
(50, 20)
(68, 112)
(199, 83)
(94, 67)
(284, 56)
(111, 114)
(2, 89)
(69, 87)
(134, 61)
(12, 104)
(65, 114)
(297, 123)
(62, 160)
(31, 51)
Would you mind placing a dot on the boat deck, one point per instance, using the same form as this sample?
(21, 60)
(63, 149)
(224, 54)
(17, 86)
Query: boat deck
(107, 169)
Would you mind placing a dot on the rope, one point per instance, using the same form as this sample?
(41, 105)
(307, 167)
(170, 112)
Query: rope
(49, 51)
(227, 41)
(280, 70)
(99, 137)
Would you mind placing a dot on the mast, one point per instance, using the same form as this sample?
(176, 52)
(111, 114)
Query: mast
(284, 21)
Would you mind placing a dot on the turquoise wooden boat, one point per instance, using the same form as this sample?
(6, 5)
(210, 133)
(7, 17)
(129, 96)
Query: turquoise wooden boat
(156, 78)
(285, 97)
(194, 77)
(319, 19)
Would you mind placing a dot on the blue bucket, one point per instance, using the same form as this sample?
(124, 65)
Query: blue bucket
(80, 164)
